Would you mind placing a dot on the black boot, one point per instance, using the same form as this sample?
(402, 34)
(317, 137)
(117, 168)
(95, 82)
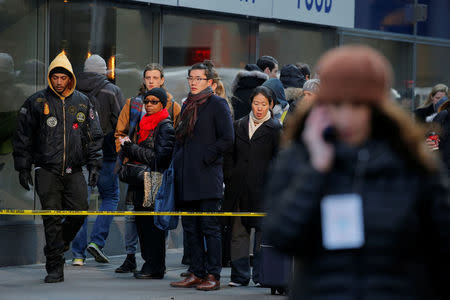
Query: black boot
(129, 265)
(55, 273)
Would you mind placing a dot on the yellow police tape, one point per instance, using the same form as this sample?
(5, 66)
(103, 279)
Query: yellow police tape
(29, 212)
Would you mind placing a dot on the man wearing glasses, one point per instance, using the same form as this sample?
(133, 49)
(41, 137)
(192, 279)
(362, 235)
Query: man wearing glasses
(204, 133)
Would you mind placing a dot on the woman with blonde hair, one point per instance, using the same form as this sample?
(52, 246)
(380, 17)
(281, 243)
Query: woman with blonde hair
(218, 86)
(429, 108)
(355, 195)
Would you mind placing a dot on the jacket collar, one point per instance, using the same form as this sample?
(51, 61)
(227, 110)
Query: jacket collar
(242, 130)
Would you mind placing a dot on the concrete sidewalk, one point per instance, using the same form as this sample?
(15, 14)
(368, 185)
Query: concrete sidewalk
(98, 281)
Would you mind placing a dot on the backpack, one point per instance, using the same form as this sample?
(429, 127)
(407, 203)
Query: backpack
(135, 114)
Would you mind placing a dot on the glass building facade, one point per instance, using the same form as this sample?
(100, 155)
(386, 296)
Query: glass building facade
(131, 34)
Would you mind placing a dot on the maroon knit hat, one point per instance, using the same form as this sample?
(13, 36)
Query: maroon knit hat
(354, 73)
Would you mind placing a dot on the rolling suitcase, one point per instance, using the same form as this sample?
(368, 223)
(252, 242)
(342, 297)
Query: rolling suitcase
(276, 270)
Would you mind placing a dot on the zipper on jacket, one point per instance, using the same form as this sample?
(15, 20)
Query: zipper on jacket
(358, 180)
(64, 139)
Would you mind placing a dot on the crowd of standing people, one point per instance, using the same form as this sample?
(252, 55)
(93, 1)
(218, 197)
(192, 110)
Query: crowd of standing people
(351, 183)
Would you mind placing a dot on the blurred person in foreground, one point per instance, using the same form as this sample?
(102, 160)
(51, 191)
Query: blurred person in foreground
(363, 203)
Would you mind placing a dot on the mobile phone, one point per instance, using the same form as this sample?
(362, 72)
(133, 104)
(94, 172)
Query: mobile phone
(329, 135)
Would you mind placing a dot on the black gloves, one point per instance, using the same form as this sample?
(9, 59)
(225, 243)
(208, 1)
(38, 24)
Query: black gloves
(128, 147)
(94, 173)
(25, 178)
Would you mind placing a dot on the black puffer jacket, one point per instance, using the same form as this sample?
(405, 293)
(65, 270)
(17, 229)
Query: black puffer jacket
(157, 151)
(422, 113)
(406, 252)
(243, 85)
(108, 101)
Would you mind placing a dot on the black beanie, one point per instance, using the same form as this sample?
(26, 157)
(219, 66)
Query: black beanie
(291, 76)
(61, 70)
(159, 93)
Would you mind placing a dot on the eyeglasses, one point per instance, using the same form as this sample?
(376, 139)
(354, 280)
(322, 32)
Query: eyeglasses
(196, 79)
(153, 102)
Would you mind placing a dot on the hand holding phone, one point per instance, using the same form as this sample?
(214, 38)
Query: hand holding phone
(124, 139)
(318, 136)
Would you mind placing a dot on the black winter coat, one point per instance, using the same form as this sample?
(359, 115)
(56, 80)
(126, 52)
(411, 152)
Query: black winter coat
(58, 135)
(108, 101)
(442, 119)
(156, 150)
(242, 87)
(422, 113)
(406, 252)
(246, 166)
(198, 160)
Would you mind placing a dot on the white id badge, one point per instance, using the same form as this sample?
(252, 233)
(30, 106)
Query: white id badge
(342, 222)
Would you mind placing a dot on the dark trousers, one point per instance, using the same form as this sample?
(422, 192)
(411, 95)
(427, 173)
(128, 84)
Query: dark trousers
(201, 229)
(56, 192)
(240, 253)
(151, 239)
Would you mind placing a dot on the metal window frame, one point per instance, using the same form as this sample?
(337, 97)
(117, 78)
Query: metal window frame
(414, 40)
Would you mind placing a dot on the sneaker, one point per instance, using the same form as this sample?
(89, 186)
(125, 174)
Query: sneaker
(97, 253)
(78, 262)
(234, 284)
(258, 284)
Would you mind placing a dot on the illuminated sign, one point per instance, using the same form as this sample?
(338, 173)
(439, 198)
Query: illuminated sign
(339, 13)
(325, 12)
(257, 8)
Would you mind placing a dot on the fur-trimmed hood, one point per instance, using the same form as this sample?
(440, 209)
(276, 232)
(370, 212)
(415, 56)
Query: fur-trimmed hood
(248, 79)
(293, 94)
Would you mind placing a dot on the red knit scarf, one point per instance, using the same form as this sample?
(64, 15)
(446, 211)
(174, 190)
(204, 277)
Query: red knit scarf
(148, 124)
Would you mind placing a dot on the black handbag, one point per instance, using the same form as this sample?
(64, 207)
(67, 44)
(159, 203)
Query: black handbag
(133, 174)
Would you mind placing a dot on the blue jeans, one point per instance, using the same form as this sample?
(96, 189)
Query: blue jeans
(131, 235)
(108, 187)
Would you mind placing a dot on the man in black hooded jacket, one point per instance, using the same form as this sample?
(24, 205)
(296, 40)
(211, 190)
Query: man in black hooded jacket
(58, 131)
(108, 101)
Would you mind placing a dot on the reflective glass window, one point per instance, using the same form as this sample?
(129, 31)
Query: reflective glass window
(188, 40)
(437, 23)
(391, 16)
(21, 74)
(433, 65)
(292, 44)
(400, 55)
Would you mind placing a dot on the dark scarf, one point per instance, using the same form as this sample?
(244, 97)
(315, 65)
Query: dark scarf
(189, 116)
